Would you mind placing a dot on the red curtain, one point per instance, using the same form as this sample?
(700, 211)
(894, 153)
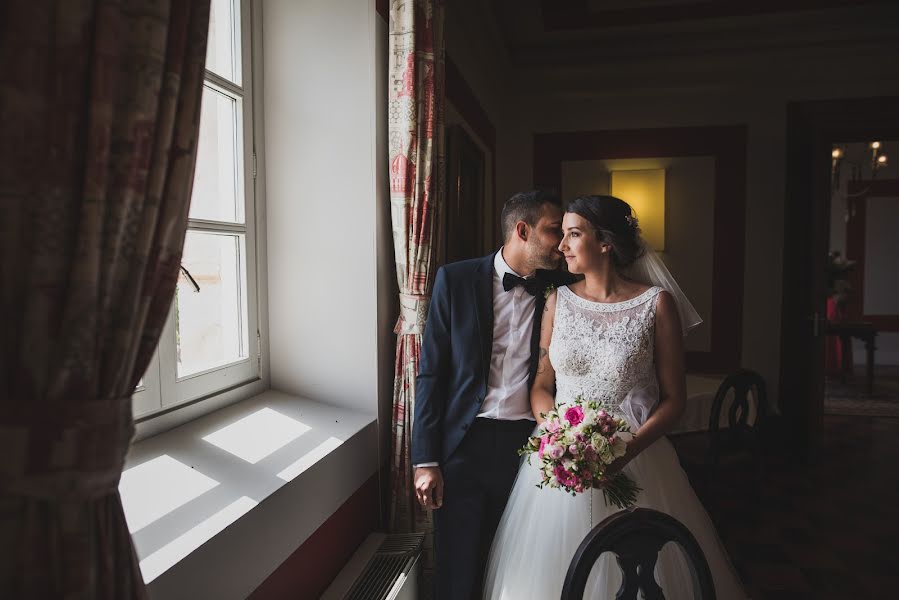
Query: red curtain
(417, 171)
(100, 112)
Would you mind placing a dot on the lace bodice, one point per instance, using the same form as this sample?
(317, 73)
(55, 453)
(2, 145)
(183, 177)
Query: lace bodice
(602, 351)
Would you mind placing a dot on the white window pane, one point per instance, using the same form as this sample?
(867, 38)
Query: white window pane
(211, 325)
(217, 194)
(220, 55)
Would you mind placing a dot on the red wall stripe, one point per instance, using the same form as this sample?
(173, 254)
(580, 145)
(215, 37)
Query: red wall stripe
(309, 571)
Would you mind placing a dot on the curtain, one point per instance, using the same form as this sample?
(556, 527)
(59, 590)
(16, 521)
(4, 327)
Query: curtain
(99, 115)
(417, 171)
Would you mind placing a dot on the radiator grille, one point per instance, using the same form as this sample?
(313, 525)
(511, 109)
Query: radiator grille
(394, 558)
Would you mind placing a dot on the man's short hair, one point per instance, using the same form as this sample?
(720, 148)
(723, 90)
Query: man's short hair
(525, 206)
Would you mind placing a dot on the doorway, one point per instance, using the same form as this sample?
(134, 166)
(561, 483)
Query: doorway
(862, 345)
(814, 129)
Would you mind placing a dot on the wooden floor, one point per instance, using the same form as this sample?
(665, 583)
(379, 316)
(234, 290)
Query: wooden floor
(825, 530)
(851, 397)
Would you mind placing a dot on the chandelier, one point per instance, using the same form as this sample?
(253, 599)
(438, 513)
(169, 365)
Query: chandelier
(864, 169)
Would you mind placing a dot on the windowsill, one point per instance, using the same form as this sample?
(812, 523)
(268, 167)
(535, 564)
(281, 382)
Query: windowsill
(214, 517)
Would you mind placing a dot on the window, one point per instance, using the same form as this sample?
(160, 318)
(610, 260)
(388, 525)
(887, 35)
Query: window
(211, 341)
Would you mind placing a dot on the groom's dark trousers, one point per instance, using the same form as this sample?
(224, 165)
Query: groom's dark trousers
(478, 478)
(477, 456)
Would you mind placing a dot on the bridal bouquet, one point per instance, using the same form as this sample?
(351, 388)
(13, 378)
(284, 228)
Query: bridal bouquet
(575, 445)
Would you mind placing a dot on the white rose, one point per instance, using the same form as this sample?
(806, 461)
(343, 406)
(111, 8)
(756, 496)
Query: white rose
(619, 447)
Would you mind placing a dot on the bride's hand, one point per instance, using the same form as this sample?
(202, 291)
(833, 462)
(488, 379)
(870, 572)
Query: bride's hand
(615, 468)
(618, 464)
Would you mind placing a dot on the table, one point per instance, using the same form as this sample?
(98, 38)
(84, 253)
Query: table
(863, 330)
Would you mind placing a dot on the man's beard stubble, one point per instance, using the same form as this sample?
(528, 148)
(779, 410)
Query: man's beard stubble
(547, 260)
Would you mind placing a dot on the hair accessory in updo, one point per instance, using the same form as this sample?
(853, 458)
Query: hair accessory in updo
(631, 221)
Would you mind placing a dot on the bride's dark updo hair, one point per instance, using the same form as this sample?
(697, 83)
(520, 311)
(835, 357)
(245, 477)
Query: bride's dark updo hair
(615, 224)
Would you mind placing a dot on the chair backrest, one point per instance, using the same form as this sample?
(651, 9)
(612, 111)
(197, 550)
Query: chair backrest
(745, 385)
(636, 537)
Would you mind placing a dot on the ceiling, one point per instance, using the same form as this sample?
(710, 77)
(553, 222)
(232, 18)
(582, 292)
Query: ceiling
(571, 32)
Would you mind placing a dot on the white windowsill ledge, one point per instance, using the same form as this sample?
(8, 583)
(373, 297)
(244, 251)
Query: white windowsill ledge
(216, 505)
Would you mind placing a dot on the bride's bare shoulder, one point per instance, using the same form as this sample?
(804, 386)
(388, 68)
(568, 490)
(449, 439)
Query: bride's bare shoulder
(635, 288)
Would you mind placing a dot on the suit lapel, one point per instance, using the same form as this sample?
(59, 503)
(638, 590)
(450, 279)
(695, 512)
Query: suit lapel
(483, 289)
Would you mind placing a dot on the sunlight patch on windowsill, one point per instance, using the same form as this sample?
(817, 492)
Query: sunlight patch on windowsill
(158, 562)
(148, 501)
(258, 435)
(194, 489)
(309, 459)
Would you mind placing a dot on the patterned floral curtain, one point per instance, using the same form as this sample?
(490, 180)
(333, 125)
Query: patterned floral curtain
(417, 171)
(99, 116)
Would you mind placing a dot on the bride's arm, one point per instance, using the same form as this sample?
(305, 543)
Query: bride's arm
(669, 359)
(542, 391)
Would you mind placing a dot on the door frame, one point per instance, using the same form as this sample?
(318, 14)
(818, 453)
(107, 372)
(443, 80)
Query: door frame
(812, 129)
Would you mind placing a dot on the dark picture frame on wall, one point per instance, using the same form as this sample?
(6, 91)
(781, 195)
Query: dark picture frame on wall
(727, 145)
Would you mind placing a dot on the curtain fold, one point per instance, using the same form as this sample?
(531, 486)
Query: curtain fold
(99, 114)
(417, 187)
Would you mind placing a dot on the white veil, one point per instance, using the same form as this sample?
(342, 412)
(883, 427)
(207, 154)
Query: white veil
(639, 402)
(650, 269)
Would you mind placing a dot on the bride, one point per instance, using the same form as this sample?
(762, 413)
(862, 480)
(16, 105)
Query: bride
(611, 338)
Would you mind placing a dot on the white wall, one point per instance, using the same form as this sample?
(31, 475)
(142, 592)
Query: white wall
(387, 289)
(881, 282)
(323, 199)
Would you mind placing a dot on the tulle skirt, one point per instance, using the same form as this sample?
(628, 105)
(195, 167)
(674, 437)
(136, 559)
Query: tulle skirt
(542, 528)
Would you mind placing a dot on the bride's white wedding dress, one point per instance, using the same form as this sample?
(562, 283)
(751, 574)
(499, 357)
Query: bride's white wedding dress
(601, 351)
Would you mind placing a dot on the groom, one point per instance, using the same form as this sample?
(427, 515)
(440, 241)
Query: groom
(472, 408)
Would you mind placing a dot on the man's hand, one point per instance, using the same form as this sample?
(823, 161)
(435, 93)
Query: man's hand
(429, 486)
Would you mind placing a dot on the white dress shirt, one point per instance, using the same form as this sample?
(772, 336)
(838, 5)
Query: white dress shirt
(508, 397)
(513, 321)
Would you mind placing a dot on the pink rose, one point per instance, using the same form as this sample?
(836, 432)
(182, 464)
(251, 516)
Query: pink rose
(543, 441)
(574, 415)
(573, 449)
(564, 476)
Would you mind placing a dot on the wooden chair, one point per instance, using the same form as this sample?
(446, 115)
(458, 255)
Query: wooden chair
(741, 435)
(636, 537)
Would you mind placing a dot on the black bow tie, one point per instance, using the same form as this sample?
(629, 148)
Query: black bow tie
(532, 286)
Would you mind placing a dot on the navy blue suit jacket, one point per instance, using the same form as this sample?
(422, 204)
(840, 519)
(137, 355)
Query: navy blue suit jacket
(455, 355)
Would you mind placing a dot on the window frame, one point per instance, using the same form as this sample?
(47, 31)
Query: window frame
(162, 392)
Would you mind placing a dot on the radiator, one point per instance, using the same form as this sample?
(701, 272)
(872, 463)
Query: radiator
(392, 573)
